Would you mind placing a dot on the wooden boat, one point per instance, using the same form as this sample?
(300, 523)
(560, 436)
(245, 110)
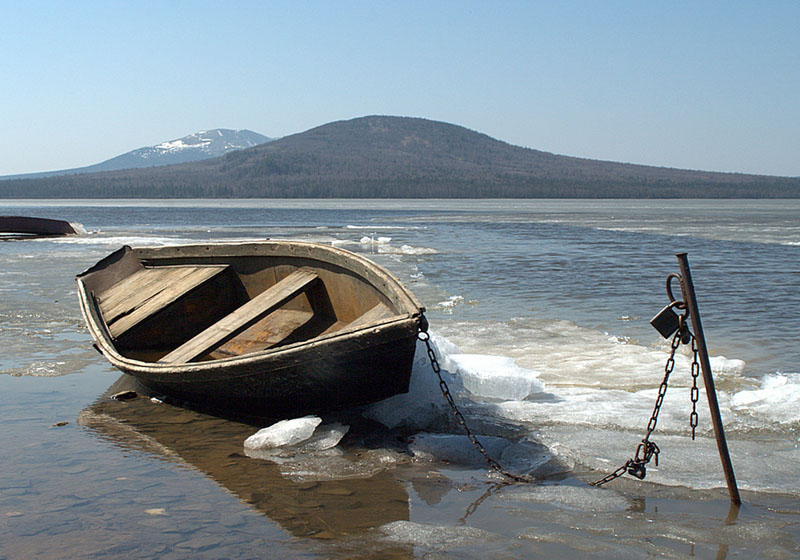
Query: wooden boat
(27, 226)
(270, 328)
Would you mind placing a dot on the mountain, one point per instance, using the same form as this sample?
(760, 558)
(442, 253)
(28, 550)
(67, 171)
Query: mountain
(198, 146)
(402, 157)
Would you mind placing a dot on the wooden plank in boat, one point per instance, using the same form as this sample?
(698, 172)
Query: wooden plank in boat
(130, 292)
(265, 333)
(148, 291)
(232, 324)
(377, 313)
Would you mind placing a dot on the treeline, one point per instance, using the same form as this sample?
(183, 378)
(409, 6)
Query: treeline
(396, 157)
(386, 187)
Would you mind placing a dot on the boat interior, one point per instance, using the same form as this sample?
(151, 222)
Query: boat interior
(178, 310)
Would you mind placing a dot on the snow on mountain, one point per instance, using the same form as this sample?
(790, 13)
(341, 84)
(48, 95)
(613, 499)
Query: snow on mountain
(200, 145)
(194, 147)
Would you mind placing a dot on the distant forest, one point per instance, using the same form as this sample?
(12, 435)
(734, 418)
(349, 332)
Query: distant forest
(400, 157)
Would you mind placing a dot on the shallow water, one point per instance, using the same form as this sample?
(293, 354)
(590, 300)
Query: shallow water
(539, 311)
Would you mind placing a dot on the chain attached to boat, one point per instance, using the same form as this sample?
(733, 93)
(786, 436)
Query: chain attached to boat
(448, 396)
(647, 450)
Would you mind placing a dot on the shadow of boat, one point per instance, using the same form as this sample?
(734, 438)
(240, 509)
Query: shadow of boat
(321, 509)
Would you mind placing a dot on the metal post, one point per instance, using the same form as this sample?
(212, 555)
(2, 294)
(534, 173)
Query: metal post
(687, 287)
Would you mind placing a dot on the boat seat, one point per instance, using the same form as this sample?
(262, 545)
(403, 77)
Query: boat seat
(376, 313)
(149, 290)
(273, 330)
(243, 317)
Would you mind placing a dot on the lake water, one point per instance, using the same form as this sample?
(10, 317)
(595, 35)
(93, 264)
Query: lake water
(539, 310)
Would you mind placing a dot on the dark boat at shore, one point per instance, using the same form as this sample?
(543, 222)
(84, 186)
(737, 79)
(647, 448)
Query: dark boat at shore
(21, 227)
(266, 328)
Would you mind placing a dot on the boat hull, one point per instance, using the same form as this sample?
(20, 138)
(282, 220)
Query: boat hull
(34, 227)
(354, 365)
(334, 375)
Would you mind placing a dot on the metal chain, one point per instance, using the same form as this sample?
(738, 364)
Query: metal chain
(648, 449)
(695, 392)
(645, 451)
(493, 464)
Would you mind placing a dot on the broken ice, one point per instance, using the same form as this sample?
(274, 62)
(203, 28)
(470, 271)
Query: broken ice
(285, 432)
(496, 377)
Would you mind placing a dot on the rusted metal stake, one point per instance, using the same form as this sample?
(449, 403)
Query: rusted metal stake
(687, 287)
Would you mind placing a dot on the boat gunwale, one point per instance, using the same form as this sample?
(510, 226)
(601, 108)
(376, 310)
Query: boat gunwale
(95, 323)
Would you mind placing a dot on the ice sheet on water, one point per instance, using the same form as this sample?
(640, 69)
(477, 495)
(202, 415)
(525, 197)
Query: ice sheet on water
(333, 464)
(406, 249)
(519, 456)
(435, 537)
(496, 377)
(591, 401)
(456, 449)
(576, 498)
(777, 400)
(285, 432)
(117, 240)
(682, 462)
(611, 409)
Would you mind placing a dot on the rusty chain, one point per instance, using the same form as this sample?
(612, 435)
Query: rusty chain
(493, 464)
(647, 449)
(694, 393)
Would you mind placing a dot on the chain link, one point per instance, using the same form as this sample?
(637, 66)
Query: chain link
(493, 464)
(648, 449)
(694, 394)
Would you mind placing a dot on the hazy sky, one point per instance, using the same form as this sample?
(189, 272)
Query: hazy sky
(699, 85)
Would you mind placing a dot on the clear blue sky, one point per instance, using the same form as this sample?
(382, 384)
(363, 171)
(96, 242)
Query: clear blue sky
(699, 85)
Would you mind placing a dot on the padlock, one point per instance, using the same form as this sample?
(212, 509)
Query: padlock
(638, 470)
(666, 321)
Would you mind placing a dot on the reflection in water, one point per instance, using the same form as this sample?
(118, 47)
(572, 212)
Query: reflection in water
(314, 508)
(370, 499)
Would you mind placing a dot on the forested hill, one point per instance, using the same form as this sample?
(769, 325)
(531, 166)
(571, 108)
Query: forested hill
(401, 157)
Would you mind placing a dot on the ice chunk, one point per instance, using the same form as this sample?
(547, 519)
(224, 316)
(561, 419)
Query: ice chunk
(423, 404)
(372, 240)
(285, 432)
(496, 377)
(721, 365)
(778, 399)
(455, 448)
(324, 437)
(435, 537)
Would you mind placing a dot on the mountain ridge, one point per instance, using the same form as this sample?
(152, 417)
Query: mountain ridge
(200, 145)
(404, 157)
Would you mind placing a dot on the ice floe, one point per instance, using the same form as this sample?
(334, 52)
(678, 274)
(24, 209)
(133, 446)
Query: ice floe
(283, 433)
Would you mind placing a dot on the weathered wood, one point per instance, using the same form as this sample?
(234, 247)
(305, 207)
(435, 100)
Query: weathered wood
(292, 252)
(322, 364)
(229, 326)
(266, 333)
(147, 291)
(377, 313)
